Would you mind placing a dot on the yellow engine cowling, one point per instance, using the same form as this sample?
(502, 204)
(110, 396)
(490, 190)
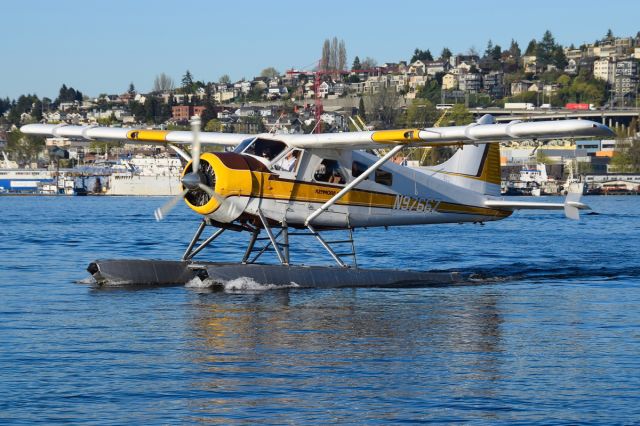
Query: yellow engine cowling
(230, 176)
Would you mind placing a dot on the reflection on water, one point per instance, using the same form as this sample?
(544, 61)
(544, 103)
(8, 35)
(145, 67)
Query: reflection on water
(329, 351)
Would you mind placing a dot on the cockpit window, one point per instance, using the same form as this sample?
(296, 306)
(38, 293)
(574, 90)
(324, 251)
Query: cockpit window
(328, 171)
(243, 145)
(266, 148)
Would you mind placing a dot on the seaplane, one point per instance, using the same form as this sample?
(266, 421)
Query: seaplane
(276, 186)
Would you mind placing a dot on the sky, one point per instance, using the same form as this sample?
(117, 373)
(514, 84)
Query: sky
(103, 46)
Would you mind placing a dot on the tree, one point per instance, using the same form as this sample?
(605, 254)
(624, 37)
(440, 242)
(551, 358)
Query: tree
(609, 36)
(326, 55)
(270, 73)
(369, 63)
(209, 112)
(514, 50)
(383, 107)
(152, 110)
(213, 125)
(446, 54)
(531, 48)
(224, 79)
(132, 89)
(459, 115)
(342, 56)
(626, 157)
(489, 50)
(333, 57)
(421, 55)
(421, 113)
(163, 83)
(68, 94)
(545, 49)
(25, 148)
(356, 64)
(361, 109)
(187, 82)
(431, 91)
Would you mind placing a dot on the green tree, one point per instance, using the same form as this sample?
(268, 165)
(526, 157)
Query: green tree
(531, 48)
(361, 109)
(459, 115)
(421, 113)
(25, 148)
(187, 82)
(446, 54)
(422, 55)
(224, 79)
(213, 125)
(514, 50)
(431, 91)
(356, 64)
(209, 112)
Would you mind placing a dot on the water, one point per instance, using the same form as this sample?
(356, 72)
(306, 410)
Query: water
(549, 332)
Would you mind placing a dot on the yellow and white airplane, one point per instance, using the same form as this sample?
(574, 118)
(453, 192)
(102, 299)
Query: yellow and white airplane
(334, 181)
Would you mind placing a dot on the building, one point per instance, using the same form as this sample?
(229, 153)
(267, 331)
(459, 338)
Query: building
(493, 83)
(628, 68)
(604, 69)
(519, 87)
(470, 82)
(450, 81)
(529, 63)
(185, 112)
(624, 86)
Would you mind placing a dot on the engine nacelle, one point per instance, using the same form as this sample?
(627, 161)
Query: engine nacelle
(233, 177)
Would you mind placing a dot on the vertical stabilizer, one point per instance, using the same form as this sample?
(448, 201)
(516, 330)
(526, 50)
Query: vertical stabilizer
(475, 167)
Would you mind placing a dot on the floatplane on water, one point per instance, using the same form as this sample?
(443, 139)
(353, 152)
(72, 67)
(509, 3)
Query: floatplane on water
(285, 185)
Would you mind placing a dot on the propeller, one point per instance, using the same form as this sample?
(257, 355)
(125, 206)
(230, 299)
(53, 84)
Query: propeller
(192, 180)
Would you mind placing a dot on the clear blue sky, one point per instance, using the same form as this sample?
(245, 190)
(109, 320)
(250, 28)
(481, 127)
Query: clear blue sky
(102, 46)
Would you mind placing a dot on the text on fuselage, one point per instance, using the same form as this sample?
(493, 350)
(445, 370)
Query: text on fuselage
(404, 202)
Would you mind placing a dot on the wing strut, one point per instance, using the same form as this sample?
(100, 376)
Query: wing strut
(353, 183)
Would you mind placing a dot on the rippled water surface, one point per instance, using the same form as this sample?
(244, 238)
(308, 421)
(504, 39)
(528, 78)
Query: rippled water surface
(548, 333)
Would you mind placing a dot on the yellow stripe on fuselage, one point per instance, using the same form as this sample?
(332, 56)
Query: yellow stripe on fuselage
(271, 187)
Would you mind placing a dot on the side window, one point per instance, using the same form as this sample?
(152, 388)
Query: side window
(384, 177)
(358, 168)
(381, 176)
(328, 171)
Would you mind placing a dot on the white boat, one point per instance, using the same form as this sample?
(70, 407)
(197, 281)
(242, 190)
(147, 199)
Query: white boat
(145, 176)
(14, 179)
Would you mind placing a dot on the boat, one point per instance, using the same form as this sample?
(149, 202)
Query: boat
(16, 180)
(142, 175)
(528, 182)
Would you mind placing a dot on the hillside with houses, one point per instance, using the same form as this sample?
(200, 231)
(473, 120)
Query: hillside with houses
(603, 74)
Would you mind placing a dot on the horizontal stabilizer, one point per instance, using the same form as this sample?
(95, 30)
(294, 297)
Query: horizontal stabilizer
(571, 206)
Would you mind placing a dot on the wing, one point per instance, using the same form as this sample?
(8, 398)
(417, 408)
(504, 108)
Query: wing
(483, 131)
(133, 135)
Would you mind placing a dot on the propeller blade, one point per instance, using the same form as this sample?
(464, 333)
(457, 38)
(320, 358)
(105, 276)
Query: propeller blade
(195, 146)
(163, 211)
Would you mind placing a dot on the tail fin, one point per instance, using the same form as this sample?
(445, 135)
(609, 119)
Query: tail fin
(475, 167)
